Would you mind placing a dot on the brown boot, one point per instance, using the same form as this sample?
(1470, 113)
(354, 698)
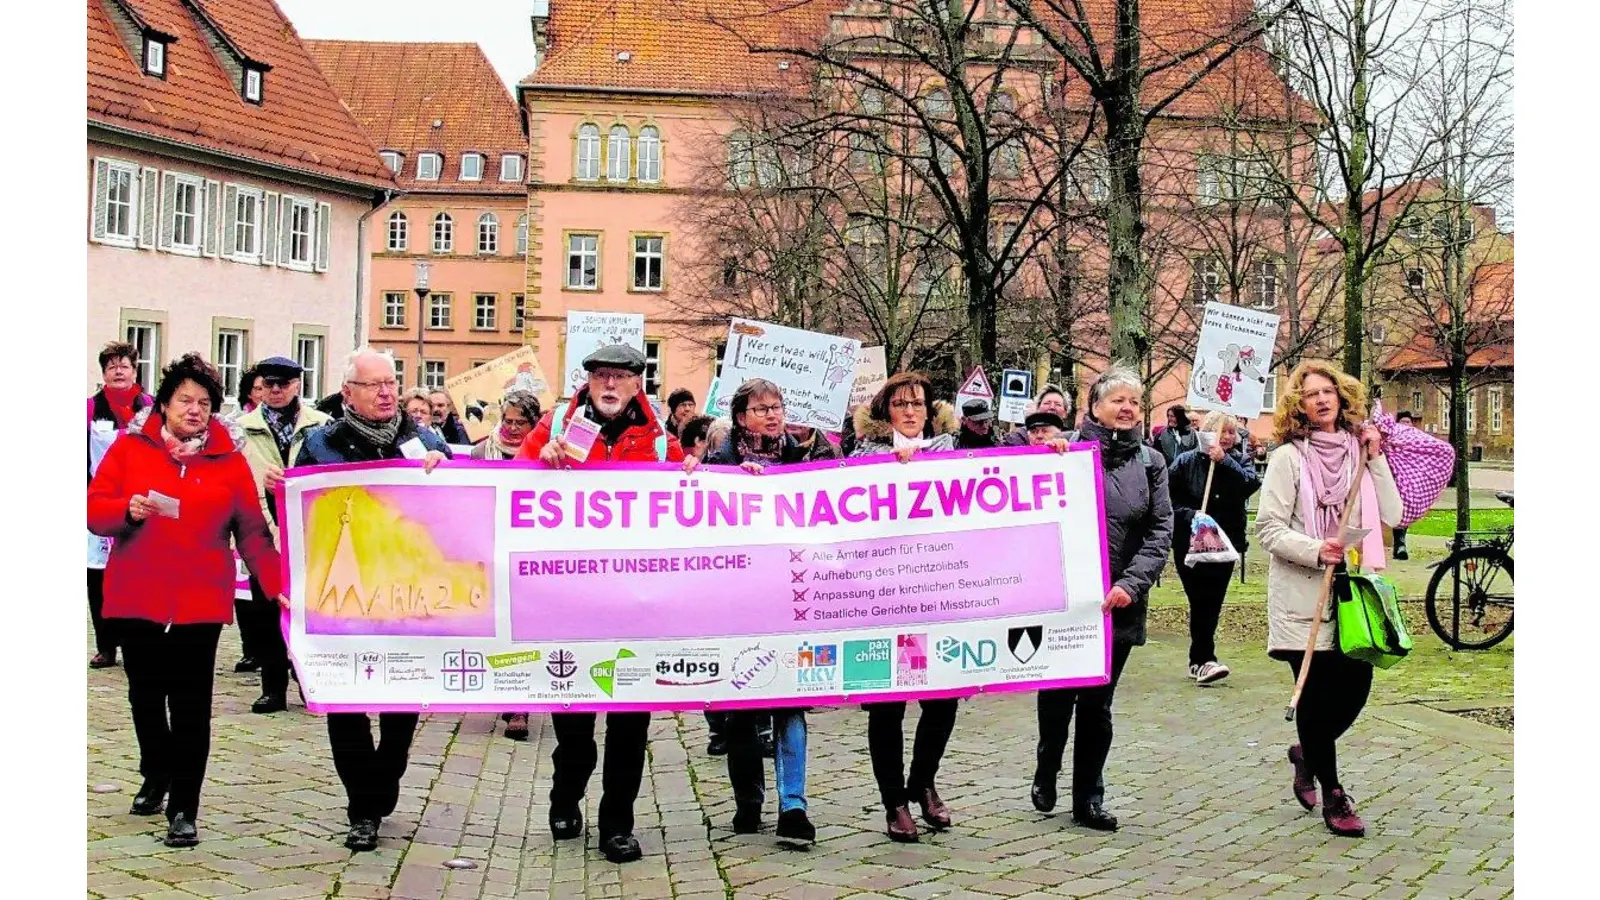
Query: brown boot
(902, 829)
(934, 810)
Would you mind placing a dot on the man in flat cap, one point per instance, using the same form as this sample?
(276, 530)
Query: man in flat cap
(614, 399)
(1042, 427)
(977, 426)
(273, 435)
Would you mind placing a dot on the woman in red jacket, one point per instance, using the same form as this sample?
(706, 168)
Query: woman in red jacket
(172, 493)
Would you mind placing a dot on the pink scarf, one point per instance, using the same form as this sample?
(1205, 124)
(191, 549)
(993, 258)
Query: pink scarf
(182, 450)
(1325, 471)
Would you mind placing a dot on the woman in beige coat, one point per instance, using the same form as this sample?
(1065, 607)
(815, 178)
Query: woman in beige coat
(1318, 425)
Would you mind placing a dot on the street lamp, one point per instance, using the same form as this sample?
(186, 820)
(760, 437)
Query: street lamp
(420, 285)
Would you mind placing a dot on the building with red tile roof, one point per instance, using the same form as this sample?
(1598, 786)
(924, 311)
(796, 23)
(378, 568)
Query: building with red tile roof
(446, 126)
(228, 186)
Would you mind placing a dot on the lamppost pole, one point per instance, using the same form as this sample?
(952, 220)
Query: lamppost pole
(421, 287)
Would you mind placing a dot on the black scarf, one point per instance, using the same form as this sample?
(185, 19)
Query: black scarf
(1116, 447)
(612, 431)
(281, 422)
(381, 435)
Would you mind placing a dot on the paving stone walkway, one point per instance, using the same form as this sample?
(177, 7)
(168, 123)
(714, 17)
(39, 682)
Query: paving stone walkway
(1197, 776)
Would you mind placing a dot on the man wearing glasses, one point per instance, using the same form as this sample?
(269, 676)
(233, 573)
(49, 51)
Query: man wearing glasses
(373, 428)
(273, 435)
(614, 399)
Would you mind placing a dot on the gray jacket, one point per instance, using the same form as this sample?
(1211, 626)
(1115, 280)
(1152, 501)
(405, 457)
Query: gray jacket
(1138, 537)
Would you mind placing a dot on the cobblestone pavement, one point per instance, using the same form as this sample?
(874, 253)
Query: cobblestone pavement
(1197, 776)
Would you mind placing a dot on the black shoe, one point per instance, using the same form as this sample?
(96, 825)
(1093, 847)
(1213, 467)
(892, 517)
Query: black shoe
(1400, 552)
(717, 746)
(247, 664)
(769, 748)
(1094, 816)
(620, 848)
(794, 826)
(1044, 792)
(102, 661)
(148, 801)
(747, 818)
(270, 703)
(181, 832)
(363, 835)
(566, 824)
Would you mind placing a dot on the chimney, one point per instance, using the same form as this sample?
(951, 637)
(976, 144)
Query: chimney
(541, 29)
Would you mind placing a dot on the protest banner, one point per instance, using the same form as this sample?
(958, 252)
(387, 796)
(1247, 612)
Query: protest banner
(241, 579)
(588, 332)
(872, 370)
(1232, 360)
(478, 390)
(815, 370)
(493, 587)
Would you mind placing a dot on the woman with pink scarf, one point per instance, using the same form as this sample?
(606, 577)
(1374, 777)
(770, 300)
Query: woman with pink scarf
(1322, 440)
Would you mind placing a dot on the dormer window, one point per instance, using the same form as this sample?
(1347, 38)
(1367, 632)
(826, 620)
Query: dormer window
(428, 166)
(393, 160)
(155, 57)
(252, 84)
(472, 167)
(511, 167)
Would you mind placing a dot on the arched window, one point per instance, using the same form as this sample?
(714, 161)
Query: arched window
(588, 152)
(741, 159)
(619, 154)
(522, 236)
(488, 233)
(443, 233)
(399, 232)
(649, 154)
(937, 104)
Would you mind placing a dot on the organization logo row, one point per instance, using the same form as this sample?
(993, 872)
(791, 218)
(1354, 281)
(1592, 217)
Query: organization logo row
(814, 667)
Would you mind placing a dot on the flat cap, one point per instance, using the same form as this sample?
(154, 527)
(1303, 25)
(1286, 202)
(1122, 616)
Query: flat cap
(976, 410)
(616, 356)
(1037, 419)
(279, 367)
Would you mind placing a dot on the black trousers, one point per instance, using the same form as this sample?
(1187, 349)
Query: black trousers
(1335, 693)
(716, 722)
(170, 672)
(1093, 744)
(261, 632)
(105, 638)
(371, 773)
(886, 745)
(627, 734)
(1206, 586)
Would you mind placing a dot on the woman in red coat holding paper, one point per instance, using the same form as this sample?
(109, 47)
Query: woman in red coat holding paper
(173, 492)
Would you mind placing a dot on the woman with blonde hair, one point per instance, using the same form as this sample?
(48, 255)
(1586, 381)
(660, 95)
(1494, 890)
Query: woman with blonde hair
(1230, 475)
(1322, 442)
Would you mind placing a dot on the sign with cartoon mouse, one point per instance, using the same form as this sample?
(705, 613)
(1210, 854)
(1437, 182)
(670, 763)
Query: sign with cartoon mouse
(1233, 360)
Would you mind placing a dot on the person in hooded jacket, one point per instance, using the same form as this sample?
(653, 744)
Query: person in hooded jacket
(1233, 480)
(110, 410)
(1138, 530)
(175, 493)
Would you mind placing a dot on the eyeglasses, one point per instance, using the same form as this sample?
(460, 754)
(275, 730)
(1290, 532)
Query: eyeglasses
(767, 410)
(906, 404)
(391, 385)
(611, 375)
(283, 382)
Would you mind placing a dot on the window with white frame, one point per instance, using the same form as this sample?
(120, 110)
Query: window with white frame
(1208, 181)
(428, 165)
(647, 262)
(1269, 392)
(511, 167)
(522, 236)
(439, 318)
(301, 221)
(308, 350)
(1412, 226)
(393, 160)
(488, 233)
(652, 368)
(518, 311)
(253, 79)
(400, 374)
(394, 309)
(1416, 405)
(619, 154)
(472, 167)
(230, 358)
(1416, 283)
(1207, 287)
(588, 164)
(1472, 411)
(115, 204)
(583, 262)
(247, 227)
(399, 232)
(741, 159)
(1444, 411)
(433, 374)
(155, 57)
(649, 154)
(484, 309)
(1266, 284)
(1496, 410)
(186, 213)
(146, 338)
(443, 233)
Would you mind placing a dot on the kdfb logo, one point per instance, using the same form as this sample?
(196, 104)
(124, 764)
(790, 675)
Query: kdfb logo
(463, 670)
(970, 656)
(1024, 642)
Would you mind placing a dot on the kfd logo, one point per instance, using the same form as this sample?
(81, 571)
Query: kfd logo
(816, 665)
(970, 656)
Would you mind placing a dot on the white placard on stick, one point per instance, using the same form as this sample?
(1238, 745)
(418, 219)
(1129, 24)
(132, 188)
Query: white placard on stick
(1232, 360)
(872, 370)
(588, 332)
(816, 371)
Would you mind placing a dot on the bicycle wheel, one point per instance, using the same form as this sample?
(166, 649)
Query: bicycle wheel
(1480, 615)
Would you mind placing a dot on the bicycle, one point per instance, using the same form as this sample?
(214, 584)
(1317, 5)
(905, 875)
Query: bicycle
(1475, 612)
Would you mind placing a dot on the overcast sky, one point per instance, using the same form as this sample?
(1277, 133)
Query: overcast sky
(500, 27)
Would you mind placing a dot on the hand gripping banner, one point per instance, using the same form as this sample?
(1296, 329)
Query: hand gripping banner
(498, 587)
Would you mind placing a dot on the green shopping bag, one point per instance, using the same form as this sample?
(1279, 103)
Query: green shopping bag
(1370, 626)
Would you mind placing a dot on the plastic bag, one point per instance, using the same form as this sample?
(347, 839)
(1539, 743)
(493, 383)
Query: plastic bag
(1208, 543)
(1421, 463)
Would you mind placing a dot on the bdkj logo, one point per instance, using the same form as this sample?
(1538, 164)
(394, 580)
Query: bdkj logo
(912, 667)
(754, 667)
(463, 670)
(614, 673)
(867, 664)
(1024, 642)
(563, 664)
(979, 655)
(816, 666)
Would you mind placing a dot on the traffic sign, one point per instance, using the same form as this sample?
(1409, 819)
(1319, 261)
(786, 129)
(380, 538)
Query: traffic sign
(976, 387)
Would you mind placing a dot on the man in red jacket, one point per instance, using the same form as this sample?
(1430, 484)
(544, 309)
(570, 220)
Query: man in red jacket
(629, 432)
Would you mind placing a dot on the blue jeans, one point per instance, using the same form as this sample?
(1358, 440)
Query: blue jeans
(745, 770)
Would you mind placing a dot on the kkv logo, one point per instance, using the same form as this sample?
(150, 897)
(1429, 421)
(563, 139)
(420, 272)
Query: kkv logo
(817, 665)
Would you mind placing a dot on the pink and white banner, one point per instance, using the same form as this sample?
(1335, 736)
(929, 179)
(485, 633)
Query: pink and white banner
(503, 586)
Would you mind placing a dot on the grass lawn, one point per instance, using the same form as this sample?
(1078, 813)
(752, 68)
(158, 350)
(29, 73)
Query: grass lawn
(1442, 522)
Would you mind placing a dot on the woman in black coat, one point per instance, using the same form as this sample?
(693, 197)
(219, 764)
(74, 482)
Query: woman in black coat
(1233, 481)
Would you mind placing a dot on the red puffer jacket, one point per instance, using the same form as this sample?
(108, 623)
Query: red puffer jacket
(179, 571)
(636, 444)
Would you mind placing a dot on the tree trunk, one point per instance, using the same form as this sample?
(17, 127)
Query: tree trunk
(1129, 278)
(1355, 261)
